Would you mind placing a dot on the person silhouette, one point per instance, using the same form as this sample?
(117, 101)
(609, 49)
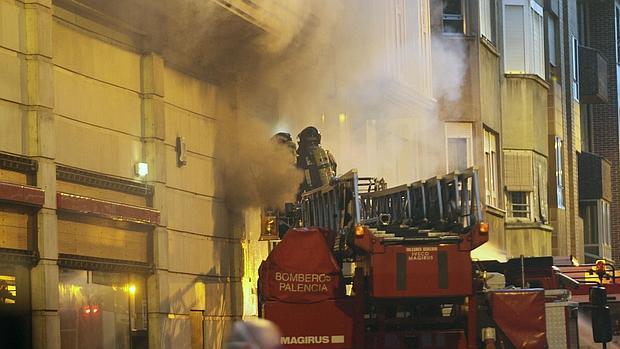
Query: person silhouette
(253, 334)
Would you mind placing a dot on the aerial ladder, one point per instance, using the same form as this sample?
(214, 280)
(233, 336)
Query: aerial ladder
(377, 267)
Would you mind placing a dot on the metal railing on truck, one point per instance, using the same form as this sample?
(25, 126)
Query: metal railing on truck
(449, 203)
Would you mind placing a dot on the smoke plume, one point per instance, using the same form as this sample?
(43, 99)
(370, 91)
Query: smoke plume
(258, 172)
(371, 85)
(365, 72)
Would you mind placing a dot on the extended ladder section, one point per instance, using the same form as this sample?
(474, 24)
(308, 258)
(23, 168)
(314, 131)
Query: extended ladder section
(335, 206)
(439, 209)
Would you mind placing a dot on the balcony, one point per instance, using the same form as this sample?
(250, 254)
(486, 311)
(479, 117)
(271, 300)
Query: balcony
(272, 16)
(594, 177)
(593, 76)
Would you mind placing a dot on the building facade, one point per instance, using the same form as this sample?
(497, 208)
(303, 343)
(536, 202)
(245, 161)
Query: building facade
(114, 225)
(541, 101)
(113, 230)
(598, 57)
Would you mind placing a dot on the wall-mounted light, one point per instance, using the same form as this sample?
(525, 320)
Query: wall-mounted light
(181, 149)
(142, 169)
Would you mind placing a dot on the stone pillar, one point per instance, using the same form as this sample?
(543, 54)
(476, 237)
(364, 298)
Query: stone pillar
(39, 143)
(153, 136)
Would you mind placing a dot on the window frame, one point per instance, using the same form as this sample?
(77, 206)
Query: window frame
(533, 53)
(487, 19)
(595, 214)
(617, 32)
(537, 24)
(574, 66)
(552, 46)
(559, 171)
(528, 205)
(453, 17)
(460, 130)
(491, 167)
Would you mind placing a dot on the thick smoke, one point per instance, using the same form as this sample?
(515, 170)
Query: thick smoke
(365, 72)
(258, 172)
(367, 81)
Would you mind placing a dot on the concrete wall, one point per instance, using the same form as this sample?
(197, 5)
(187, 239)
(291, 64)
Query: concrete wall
(525, 114)
(80, 93)
(491, 113)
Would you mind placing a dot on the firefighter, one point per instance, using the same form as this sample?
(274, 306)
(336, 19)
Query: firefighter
(318, 164)
(285, 139)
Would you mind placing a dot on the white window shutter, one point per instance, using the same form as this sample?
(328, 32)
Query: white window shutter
(551, 37)
(485, 18)
(514, 39)
(538, 45)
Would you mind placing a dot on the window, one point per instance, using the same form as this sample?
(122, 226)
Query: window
(524, 38)
(551, 40)
(490, 168)
(487, 19)
(8, 289)
(15, 311)
(605, 223)
(559, 172)
(538, 41)
(596, 229)
(453, 16)
(574, 66)
(459, 146)
(520, 204)
(102, 309)
(617, 34)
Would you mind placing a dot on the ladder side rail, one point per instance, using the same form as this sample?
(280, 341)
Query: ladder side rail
(476, 205)
(451, 199)
(325, 209)
(435, 208)
(465, 210)
(418, 203)
(331, 209)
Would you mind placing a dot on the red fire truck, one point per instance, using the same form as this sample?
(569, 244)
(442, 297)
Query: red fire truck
(390, 268)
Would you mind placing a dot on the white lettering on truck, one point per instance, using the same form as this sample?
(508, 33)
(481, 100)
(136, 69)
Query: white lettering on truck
(312, 340)
(301, 282)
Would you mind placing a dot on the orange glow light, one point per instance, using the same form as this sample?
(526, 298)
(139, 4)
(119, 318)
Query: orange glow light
(600, 266)
(359, 230)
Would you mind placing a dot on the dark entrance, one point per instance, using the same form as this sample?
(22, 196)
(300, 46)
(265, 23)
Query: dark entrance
(15, 315)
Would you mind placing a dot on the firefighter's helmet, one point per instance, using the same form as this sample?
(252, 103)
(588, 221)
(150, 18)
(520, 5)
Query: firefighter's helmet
(282, 137)
(309, 135)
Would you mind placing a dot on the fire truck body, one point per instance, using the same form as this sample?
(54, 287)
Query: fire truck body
(408, 280)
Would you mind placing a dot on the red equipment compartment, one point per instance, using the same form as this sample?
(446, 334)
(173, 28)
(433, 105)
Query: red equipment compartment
(520, 314)
(452, 339)
(326, 324)
(421, 271)
(301, 269)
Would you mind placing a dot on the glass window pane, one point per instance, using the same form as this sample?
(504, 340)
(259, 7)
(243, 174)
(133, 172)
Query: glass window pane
(551, 40)
(457, 154)
(514, 42)
(452, 7)
(100, 309)
(15, 313)
(519, 204)
(589, 223)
